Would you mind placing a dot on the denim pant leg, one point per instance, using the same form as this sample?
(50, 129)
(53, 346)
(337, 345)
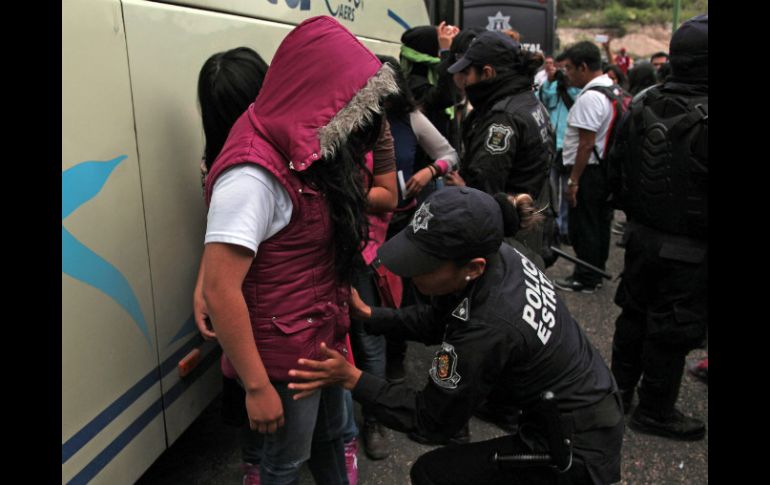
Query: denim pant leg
(350, 430)
(368, 350)
(327, 458)
(285, 450)
(563, 219)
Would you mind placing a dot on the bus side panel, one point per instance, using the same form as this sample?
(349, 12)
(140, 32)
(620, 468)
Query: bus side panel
(383, 20)
(167, 46)
(533, 19)
(110, 388)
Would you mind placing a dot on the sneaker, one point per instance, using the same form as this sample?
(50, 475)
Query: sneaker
(394, 369)
(375, 440)
(460, 438)
(351, 461)
(571, 284)
(676, 426)
(700, 370)
(251, 474)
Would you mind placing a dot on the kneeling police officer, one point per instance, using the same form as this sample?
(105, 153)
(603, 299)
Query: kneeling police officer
(505, 335)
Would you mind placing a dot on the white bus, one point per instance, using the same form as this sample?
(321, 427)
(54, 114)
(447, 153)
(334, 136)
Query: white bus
(133, 214)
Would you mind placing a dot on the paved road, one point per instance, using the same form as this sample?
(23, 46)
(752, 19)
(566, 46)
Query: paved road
(207, 453)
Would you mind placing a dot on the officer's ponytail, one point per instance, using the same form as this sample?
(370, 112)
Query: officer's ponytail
(530, 62)
(519, 213)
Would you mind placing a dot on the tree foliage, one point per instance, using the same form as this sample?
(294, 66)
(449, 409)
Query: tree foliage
(621, 13)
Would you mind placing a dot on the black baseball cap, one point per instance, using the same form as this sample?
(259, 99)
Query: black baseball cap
(453, 223)
(490, 47)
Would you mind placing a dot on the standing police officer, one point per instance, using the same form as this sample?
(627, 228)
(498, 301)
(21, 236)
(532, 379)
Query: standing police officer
(508, 141)
(663, 157)
(505, 336)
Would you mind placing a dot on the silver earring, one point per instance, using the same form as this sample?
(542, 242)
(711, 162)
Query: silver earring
(467, 278)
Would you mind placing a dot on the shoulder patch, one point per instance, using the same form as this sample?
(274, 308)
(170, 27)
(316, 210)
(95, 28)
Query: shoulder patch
(443, 371)
(463, 310)
(498, 138)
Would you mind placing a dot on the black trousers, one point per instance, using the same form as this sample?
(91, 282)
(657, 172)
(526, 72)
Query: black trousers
(472, 463)
(589, 225)
(664, 296)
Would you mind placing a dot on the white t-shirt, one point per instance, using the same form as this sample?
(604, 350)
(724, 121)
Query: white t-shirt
(248, 206)
(592, 111)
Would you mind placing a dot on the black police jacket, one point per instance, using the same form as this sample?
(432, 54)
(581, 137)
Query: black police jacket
(508, 336)
(508, 141)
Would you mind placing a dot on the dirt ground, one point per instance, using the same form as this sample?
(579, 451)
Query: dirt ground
(640, 42)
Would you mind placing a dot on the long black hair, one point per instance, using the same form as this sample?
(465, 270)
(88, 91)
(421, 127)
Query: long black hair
(640, 77)
(227, 84)
(344, 180)
(402, 103)
(619, 75)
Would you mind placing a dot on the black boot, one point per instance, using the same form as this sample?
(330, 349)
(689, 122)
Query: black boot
(375, 440)
(675, 426)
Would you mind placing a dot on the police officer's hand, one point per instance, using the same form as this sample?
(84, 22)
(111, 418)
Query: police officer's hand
(358, 309)
(334, 370)
(264, 409)
(571, 194)
(417, 182)
(453, 178)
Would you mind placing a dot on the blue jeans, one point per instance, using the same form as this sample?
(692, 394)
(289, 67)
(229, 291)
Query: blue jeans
(312, 431)
(368, 350)
(559, 184)
(350, 430)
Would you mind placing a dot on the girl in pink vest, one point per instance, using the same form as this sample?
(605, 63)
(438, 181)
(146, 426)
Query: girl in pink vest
(286, 216)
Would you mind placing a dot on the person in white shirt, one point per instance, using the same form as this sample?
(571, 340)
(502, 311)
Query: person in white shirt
(585, 139)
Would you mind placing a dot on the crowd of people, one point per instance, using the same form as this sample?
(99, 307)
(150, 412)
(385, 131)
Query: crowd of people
(358, 205)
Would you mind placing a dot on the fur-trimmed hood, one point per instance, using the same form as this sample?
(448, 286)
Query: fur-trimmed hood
(321, 85)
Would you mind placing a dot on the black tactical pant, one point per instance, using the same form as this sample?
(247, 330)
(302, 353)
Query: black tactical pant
(589, 225)
(472, 463)
(663, 294)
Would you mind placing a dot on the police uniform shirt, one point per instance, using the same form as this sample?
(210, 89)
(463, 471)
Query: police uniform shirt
(507, 334)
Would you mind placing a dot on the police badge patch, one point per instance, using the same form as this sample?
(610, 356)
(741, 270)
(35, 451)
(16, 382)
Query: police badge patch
(463, 311)
(498, 138)
(444, 368)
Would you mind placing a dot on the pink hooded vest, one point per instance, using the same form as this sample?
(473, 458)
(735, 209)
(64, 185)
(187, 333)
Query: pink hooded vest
(321, 85)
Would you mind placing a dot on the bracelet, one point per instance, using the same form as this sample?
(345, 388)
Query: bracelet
(432, 171)
(571, 183)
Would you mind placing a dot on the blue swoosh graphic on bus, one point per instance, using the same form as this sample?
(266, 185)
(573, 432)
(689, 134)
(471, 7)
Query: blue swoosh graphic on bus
(398, 19)
(80, 184)
(187, 327)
